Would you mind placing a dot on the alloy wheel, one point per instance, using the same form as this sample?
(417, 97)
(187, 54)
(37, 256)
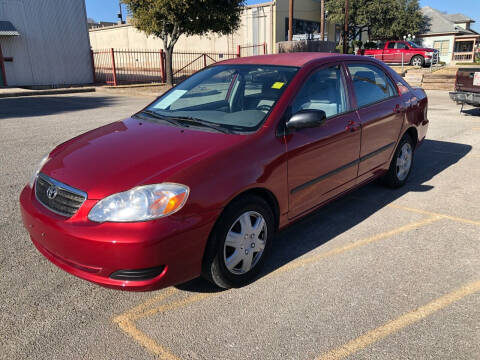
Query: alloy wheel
(417, 61)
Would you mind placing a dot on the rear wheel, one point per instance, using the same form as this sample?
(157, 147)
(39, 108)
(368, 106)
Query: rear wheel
(418, 60)
(239, 243)
(401, 164)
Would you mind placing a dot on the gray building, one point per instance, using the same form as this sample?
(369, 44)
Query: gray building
(44, 42)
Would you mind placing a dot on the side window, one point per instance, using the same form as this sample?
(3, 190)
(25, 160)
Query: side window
(401, 46)
(323, 90)
(391, 45)
(371, 84)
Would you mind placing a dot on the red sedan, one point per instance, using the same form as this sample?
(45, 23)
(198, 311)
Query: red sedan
(198, 182)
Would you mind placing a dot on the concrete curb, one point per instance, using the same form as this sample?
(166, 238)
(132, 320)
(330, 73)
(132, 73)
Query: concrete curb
(45, 92)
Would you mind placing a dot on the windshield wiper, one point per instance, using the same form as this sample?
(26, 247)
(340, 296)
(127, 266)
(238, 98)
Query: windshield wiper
(160, 117)
(195, 121)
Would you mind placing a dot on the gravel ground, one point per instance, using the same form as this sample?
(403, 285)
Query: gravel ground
(344, 282)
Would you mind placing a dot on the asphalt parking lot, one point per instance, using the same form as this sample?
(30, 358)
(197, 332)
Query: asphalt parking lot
(378, 274)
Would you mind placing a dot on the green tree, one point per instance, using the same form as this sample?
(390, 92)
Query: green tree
(169, 19)
(384, 19)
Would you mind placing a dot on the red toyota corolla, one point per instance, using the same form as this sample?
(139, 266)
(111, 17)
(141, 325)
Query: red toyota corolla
(199, 181)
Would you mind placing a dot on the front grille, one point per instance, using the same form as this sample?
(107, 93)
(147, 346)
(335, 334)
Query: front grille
(63, 200)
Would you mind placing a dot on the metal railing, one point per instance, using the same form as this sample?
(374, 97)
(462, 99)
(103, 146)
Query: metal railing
(119, 66)
(252, 50)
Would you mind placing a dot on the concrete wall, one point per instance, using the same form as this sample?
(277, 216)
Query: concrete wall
(262, 23)
(255, 28)
(53, 46)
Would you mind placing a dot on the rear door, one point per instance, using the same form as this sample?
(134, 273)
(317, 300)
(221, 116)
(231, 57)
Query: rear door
(322, 161)
(381, 112)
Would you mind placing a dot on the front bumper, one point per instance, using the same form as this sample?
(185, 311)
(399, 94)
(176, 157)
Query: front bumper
(469, 98)
(94, 251)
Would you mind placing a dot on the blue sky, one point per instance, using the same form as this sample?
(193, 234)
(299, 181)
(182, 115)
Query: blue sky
(107, 10)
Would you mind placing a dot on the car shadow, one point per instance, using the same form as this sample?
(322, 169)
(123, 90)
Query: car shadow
(35, 106)
(471, 112)
(341, 215)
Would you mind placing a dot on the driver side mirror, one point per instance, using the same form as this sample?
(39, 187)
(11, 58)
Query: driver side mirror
(306, 119)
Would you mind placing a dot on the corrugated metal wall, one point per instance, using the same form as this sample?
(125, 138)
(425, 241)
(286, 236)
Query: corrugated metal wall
(53, 47)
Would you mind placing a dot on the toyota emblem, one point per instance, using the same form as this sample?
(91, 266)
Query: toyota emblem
(52, 192)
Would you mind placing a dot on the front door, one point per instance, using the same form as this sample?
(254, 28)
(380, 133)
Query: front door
(381, 115)
(322, 161)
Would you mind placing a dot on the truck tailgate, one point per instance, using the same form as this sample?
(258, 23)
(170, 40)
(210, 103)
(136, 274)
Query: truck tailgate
(468, 79)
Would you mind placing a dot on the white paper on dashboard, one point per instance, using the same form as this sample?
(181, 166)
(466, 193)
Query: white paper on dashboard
(169, 99)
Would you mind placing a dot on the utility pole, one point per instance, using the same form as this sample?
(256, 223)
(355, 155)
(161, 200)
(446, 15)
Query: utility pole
(322, 20)
(120, 13)
(345, 31)
(290, 20)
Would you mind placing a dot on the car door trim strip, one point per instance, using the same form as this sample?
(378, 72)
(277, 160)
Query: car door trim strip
(341, 168)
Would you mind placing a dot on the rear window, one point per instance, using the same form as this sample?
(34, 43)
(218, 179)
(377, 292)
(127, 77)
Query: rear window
(371, 84)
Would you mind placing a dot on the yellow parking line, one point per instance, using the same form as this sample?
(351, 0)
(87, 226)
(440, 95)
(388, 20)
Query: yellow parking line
(353, 245)
(174, 305)
(424, 212)
(129, 327)
(141, 308)
(420, 211)
(126, 321)
(400, 322)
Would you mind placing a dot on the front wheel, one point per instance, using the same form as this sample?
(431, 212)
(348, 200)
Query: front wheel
(418, 60)
(239, 243)
(401, 164)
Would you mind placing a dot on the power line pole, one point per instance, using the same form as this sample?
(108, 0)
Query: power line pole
(120, 13)
(290, 20)
(345, 32)
(322, 20)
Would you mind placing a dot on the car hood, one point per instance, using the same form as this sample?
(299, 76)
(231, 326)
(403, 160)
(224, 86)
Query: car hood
(128, 153)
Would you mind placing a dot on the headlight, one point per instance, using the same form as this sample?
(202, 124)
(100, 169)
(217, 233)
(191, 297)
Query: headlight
(38, 168)
(429, 53)
(142, 203)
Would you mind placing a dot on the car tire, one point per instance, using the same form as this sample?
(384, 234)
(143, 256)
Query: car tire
(417, 60)
(239, 243)
(401, 164)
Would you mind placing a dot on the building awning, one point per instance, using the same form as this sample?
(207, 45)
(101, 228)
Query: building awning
(7, 29)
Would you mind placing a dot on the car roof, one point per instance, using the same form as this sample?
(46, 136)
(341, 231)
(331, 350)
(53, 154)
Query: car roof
(298, 59)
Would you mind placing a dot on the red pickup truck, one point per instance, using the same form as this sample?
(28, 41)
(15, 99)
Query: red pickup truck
(406, 52)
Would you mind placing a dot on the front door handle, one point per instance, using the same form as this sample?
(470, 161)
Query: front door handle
(352, 126)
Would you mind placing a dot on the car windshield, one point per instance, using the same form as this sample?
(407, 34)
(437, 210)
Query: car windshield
(413, 45)
(228, 98)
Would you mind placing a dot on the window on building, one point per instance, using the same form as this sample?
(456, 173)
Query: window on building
(371, 84)
(442, 46)
(324, 90)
